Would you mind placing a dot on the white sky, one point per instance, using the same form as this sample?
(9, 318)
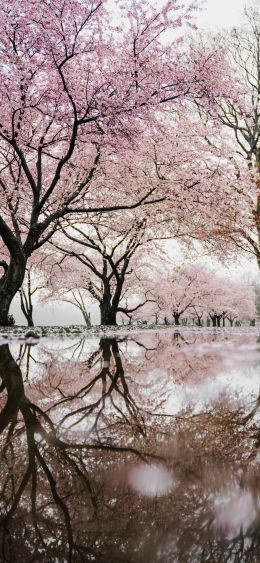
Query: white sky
(221, 13)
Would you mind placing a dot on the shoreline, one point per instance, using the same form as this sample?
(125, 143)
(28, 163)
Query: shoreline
(25, 333)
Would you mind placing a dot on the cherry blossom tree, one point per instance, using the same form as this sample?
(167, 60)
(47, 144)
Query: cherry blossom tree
(182, 289)
(193, 290)
(74, 88)
(238, 301)
(106, 261)
(193, 174)
(77, 298)
(238, 120)
(33, 283)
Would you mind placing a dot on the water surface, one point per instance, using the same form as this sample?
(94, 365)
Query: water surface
(140, 449)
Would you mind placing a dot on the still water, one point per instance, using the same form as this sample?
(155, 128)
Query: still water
(140, 449)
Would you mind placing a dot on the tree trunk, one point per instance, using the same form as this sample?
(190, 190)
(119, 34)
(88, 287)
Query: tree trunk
(87, 318)
(107, 313)
(10, 283)
(176, 319)
(30, 321)
(5, 302)
(27, 311)
(110, 302)
(29, 318)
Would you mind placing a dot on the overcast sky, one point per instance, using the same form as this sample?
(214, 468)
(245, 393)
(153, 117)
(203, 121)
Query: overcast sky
(215, 14)
(221, 13)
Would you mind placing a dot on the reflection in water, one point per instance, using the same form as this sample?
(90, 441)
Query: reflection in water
(238, 512)
(131, 450)
(150, 480)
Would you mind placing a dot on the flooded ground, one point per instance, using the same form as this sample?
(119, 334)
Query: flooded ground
(140, 448)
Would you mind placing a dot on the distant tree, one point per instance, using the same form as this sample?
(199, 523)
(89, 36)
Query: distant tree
(101, 259)
(34, 282)
(183, 290)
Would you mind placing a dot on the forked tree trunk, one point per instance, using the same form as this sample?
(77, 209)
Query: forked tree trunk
(86, 316)
(27, 308)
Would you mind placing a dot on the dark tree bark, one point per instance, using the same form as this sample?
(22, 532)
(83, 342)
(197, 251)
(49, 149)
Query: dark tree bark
(107, 314)
(109, 302)
(176, 317)
(216, 319)
(10, 283)
(27, 307)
